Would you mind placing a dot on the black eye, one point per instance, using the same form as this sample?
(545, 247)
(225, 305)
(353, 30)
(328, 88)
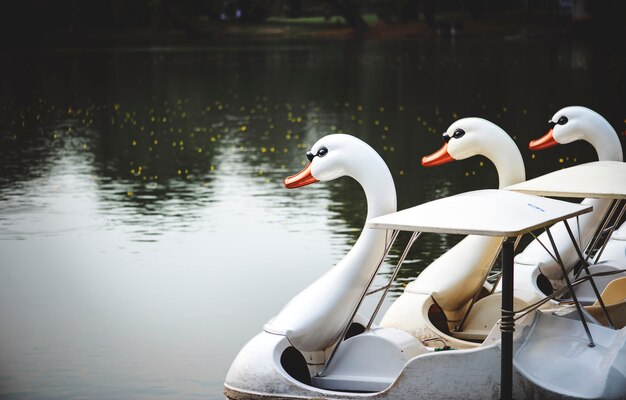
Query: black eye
(322, 151)
(563, 120)
(458, 133)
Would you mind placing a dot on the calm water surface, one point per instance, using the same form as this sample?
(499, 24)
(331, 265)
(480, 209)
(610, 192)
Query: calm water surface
(145, 234)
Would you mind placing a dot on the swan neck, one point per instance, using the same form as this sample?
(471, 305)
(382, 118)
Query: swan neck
(380, 191)
(509, 164)
(608, 147)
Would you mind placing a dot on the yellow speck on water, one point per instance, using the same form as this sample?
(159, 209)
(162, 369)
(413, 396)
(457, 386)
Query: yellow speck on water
(466, 173)
(199, 149)
(455, 115)
(85, 146)
(381, 109)
(212, 168)
(481, 163)
(386, 128)
(116, 106)
(152, 119)
(359, 108)
(261, 172)
(401, 108)
(473, 172)
(401, 172)
(213, 139)
(561, 161)
(263, 149)
(285, 150)
(134, 143)
(180, 172)
(164, 119)
(130, 194)
(299, 119)
(156, 141)
(132, 171)
(183, 115)
(243, 128)
(376, 122)
(532, 156)
(504, 109)
(524, 112)
(181, 143)
(302, 163)
(272, 149)
(346, 104)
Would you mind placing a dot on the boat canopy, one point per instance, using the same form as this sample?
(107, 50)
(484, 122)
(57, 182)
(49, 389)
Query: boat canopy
(490, 212)
(599, 179)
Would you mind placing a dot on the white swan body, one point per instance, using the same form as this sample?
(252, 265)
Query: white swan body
(455, 276)
(314, 319)
(453, 279)
(571, 124)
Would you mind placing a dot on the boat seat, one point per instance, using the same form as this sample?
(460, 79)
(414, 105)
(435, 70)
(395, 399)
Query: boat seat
(483, 316)
(614, 297)
(554, 354)
(584, 291)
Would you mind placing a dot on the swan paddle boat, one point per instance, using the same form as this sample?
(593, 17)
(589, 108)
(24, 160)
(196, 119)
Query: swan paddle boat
(451, 299)
(567, 125)
(321, 345)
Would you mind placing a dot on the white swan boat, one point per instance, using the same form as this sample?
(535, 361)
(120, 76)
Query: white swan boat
(298, 354)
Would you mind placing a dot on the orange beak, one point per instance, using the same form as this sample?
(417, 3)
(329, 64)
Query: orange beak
(441, 156)
(302, 178)
(543, 142)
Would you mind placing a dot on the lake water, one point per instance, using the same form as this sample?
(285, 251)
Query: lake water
(145, 234)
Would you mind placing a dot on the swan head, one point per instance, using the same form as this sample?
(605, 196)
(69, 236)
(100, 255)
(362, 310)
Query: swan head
(331, 157)
(574, 123)
(473, 136)
(566, 125)
(465, 138)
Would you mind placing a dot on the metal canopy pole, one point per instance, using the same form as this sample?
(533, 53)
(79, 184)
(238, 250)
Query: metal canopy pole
(570, 287)
(507, 323)
(586, 268)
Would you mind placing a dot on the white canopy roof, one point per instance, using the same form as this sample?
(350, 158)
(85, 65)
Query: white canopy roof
(482, 212)
(600, 179)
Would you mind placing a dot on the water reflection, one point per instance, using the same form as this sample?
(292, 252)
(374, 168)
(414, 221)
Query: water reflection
(144, 230)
